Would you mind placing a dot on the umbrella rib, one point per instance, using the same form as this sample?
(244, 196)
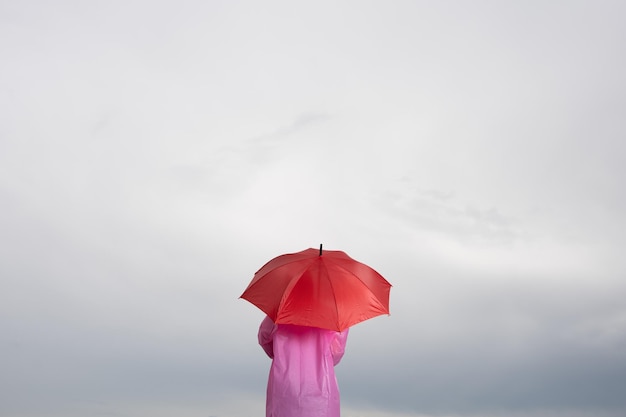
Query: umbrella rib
(290, 286)
(330, 282)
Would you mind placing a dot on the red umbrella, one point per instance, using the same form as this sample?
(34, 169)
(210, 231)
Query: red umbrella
(326, 289)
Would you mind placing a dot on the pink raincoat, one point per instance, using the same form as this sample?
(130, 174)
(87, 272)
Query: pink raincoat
(302, 380)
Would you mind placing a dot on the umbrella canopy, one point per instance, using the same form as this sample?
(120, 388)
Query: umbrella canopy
(325, 289)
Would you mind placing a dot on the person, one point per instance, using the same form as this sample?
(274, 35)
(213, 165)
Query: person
(302, 381)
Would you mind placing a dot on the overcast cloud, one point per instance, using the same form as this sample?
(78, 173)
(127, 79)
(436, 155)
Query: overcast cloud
(153, 155)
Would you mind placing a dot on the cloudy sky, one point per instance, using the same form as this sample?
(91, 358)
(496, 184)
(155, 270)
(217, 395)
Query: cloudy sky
(153, 155)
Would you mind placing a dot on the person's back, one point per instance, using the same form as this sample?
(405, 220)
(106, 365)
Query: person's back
(302, 380)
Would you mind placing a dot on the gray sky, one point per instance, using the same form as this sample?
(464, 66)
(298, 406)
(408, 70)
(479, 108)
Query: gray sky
(153, 155)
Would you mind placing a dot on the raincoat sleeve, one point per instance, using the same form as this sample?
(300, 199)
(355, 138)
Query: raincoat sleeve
(338, 346)
(266, 336)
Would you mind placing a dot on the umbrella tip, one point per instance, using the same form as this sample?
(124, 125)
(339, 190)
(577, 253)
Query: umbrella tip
(320, 249)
